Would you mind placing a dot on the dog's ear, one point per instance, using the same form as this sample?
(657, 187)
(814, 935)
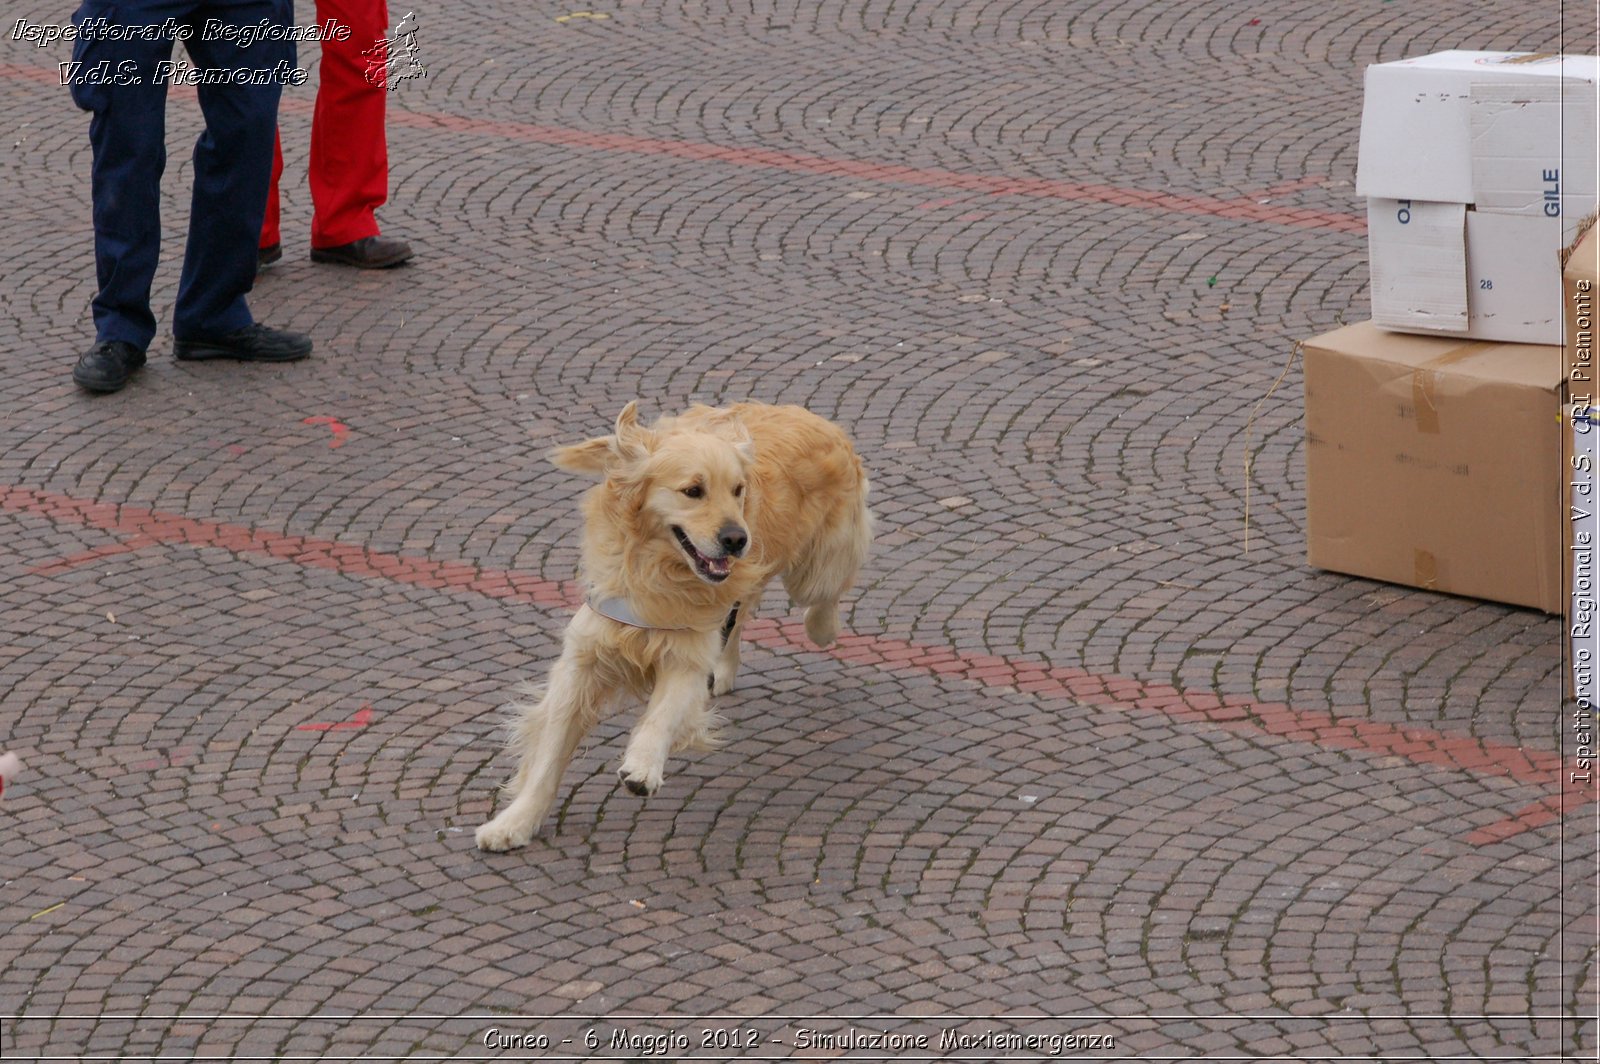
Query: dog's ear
(726, 424)
(742, 442)
(628, 420)
(590, 456)
(601, 455)
(633, 441)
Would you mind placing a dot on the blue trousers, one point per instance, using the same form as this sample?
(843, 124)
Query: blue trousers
(122, 84)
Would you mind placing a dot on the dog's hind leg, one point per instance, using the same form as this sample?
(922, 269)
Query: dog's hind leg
(679, 699)
(828, 569)
(727, 664)
(547, 735)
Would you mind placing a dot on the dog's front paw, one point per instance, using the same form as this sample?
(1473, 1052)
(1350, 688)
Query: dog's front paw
(642, 782)
(502, 834)
(721, 680)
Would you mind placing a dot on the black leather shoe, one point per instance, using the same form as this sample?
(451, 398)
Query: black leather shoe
(253, 343)
(107, 365)
(268, 255)
(369, 253)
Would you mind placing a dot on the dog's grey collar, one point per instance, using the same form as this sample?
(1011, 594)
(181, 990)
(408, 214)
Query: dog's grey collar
(621, 610)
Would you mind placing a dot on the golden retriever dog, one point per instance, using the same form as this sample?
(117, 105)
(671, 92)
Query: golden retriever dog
(693, 517)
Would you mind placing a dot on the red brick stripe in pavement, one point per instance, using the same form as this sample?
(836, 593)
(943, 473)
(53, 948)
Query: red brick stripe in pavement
(1419, 746)
(1241, 208)
(153, 526)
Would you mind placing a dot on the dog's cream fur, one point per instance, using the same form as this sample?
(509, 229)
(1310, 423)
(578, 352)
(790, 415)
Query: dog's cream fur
(786, 479)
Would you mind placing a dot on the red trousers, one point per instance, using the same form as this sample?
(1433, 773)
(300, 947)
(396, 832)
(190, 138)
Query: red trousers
(349, 171)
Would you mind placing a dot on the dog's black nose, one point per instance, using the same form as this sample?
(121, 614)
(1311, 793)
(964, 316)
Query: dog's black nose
(733, 539)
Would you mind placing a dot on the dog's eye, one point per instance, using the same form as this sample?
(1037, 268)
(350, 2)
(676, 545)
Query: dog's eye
(738, 491)
(694, 491)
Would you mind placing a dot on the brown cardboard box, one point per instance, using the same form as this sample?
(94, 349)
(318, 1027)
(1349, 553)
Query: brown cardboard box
(1581, 286)
(1436, 463)
(1581, 291)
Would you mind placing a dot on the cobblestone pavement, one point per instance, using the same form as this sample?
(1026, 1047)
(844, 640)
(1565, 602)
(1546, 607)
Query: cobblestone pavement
(1085, 766)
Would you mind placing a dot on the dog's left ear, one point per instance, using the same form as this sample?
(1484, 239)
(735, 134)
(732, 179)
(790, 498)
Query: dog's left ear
(600, 456)
(587, 457)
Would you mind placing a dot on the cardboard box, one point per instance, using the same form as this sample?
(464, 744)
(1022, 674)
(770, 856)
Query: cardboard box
(1436, 463)
(1581, 285)
(1478, 167)
(1532, 115)
(1581, 291)
(1448, 269)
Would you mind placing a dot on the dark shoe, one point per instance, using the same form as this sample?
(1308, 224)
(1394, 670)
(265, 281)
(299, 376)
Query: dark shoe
(268, 255)
(369, 253)
(107, 365)
(254, 343)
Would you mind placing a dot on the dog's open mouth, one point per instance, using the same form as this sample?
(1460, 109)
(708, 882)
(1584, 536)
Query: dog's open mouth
(714, 570)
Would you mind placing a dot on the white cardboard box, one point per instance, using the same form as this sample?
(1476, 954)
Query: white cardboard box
(1417, 123)
(1476, 167)
(1444, 269)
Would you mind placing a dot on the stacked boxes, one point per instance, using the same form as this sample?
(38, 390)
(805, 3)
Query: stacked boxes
(1435, 434)
(1477, 168)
